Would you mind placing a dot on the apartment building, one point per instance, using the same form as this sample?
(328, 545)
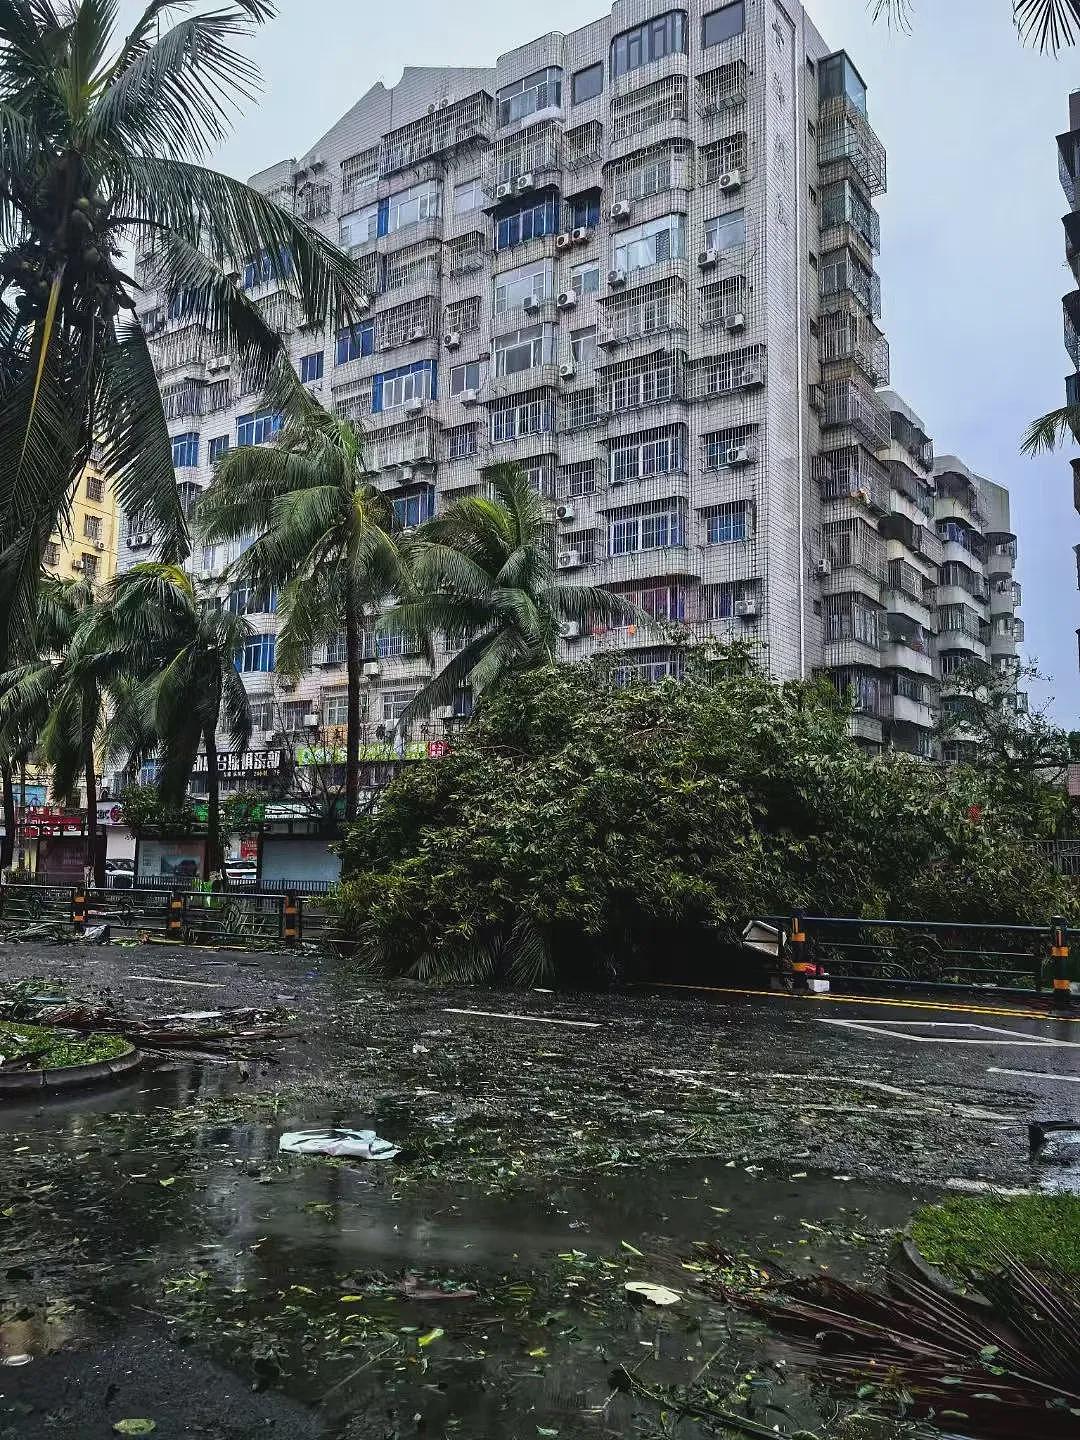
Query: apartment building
(637, 260)
(1068, 144)
(87, 545)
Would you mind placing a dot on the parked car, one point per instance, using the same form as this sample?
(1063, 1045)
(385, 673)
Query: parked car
(120, 874)
(241, 872)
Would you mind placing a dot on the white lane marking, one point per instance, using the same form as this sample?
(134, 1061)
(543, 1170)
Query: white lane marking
(532, 1019)
(886, 1027)
(1035, 1075)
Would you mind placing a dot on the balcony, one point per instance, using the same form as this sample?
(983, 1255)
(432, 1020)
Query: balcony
(852, 473)
(1069, 163)
(537, 377)
(1001, 556)
(907, 711)
(444, 128)
(1005, 596)
(1071, 307)
(911, 486)
(906, 649)
(846, 338)
(849, 402)
(647, 565)
(845, 137)
(1071, 222)
(842, 275)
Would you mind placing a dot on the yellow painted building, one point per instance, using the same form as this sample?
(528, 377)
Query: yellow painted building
(87, 549)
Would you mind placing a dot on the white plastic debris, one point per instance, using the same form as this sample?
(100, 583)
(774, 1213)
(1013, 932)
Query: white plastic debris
(344, 1144)
(654, 1294)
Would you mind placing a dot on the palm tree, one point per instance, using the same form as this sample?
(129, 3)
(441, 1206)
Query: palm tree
(100, 150)
(183, 648)
(325, 539)
(61, 696)
(484, 572)
(1050, 24)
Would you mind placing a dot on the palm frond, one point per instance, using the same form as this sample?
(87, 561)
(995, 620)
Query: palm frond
(1049, 24)
(1051, 431)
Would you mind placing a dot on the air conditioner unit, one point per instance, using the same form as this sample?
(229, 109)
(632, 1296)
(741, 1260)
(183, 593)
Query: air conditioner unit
(707, 259)
(732, 180)
(570, 630)
(735, 322)
(137, 542)
(746, 609)
(750, 375)
(99, 544)
(77, 565)
(568, 560)
(621, 210)
(823, 569)
(416, 333)
(452, 339)
(219, 363)
(565, 512)
(564, 241)
(567, 299)
(567, 372)
(524, 182)
(372, 668)
(311, 720)
(444, 103)
(608, 339)
(407, 473)
(413, 405)
(531, 302)
(739, 455)
(503, 192)
(580, 235)
(616, 278)
(469, 397)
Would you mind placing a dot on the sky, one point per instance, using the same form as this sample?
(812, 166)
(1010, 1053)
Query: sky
(972, 261)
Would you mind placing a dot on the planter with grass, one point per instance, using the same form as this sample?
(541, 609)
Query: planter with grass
(38, 1057)
(949, 1244)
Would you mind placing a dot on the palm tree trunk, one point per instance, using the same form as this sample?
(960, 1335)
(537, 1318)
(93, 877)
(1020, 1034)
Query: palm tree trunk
(95, 860)
(352, 732)
(7, 847)
(215, 852)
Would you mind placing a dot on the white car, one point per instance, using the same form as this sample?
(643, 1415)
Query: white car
(242, 872)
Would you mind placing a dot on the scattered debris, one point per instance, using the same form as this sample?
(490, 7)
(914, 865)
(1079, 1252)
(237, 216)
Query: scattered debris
(16, 1360)
(654, 1294)
(135, 1427)
(532, 1019)
(341, 1144)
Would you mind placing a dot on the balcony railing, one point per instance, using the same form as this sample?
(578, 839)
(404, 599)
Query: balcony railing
(844, 133)
(847, 402)
(852, 473)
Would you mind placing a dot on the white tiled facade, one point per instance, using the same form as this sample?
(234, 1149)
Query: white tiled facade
(637, 260)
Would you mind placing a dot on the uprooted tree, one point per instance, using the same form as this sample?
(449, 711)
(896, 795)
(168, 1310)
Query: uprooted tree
(584, 830)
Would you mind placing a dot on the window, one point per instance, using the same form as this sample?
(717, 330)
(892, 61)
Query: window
(524, 349)
(648, 382)
(462, 442)
(584, 212)
(261, 269)
(583, 348)
(579, 478)
(422, 202)
(359, 170)
(246, 600)
(359, 226)
(464, 315)
(726, 523)
(635, 457)
(661, 602)
(256, 653)
(412, 510)
(336, 710)
(394, 388)
(311, 367)
(395, 703)
(655, 667)
(535, 92)
(718, 601)
(337, 649)
(514, 286)
(218, 447)
(527, 417)
(665, 35)
(837, 76)
(468, 196)
(719, 446)
(463, 703)
(258, 428)
(262, 715)
(527, 224)
(185, 449)
(293, 714)
(91, 527)
(585, 279)
(647, 527)
(650, 244)
(52, 554)
(355, 342)
(469, 376)
(95, 489)
(90, 567)
(587, 84)
(726, 232)
(723, 24)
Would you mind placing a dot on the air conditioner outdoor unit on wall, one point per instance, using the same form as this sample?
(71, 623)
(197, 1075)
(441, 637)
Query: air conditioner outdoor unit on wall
(707, 259)
(746, 609)
(580, 234)
(524, 182)
(567, 299)
(569, 560)
(452, 339)
(413, 405)
(564, 241)
(570, 630)
(616, 278)
(739, 455)
(417, 333)
(531, 302)
(567, 372)
(503, 192)
(621, 210)
(732, 180)
(469, 397)
(565, 512)
(735, 322)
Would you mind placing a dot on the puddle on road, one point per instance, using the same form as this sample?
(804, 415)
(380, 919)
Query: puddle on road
(165, 1207)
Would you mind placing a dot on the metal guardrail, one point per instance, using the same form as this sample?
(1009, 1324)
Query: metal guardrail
(242, 917)
(925, 954)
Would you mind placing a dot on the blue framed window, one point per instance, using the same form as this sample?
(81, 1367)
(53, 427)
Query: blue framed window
(528, 223)
(585, 211)
(258, 428)
(218, 447)
(311, 367)
(393, 388)
(414, 509)
(246, 600)
(726, 524)
(185, 449)
(260, 269)
(663, 35)
(355, 342)
(256, 654)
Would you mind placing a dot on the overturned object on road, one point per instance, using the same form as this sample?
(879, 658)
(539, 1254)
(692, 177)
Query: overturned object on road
(339, 1144)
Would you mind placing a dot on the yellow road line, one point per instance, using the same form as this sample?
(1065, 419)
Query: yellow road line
(872, 1000)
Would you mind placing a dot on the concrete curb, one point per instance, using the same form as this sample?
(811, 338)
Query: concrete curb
(67, 1077)
(907, 1261)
